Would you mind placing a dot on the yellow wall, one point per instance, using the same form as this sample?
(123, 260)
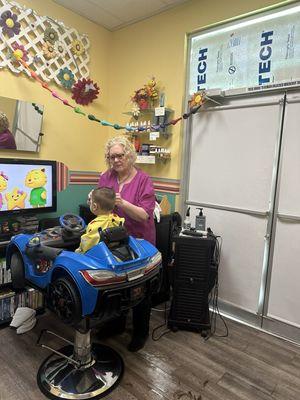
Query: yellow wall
(156, 47)
(8, 107)
(121, 61)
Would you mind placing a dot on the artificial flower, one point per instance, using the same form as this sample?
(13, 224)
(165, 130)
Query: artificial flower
(85, 91)
(50, 35)
(77, 47)
(197, 99)
(59, 48)
(66, 77)
(135, 110)
(10, 24)
(49, 50)
(19, 52)
(145, 94)
(151, 89)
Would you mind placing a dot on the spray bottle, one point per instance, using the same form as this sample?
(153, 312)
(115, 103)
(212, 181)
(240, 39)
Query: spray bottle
(200, 223)
(187, 221)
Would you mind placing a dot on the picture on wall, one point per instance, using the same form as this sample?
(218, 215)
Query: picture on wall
(20, 125)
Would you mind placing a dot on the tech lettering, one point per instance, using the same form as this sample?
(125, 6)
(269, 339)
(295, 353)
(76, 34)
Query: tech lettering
(264, 66)
(202, 65)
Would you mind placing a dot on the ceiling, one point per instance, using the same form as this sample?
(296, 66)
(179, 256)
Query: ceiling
(115, 14)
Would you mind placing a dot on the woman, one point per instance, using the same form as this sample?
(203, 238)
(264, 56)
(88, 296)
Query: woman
(7, 140)
(135, 201)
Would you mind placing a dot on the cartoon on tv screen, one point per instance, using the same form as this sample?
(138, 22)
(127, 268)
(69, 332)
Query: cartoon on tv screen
(25, 186)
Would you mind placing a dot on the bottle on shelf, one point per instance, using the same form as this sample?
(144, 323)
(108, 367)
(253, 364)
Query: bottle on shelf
(187, 220)
(200, 222)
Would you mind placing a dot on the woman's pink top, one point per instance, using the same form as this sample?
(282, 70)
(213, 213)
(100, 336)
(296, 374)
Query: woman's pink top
(7, 140)
(139, 192)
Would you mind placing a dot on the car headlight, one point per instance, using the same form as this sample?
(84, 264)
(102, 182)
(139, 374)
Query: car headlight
(102, 277)
(154, 262)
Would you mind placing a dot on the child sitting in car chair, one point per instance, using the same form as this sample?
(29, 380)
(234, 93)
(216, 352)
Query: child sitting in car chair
(102, 202)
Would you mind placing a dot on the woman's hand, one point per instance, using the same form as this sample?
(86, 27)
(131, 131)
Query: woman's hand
(119, 201)
(135, 212)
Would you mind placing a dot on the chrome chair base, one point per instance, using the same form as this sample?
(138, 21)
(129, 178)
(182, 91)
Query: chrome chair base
(60, 378)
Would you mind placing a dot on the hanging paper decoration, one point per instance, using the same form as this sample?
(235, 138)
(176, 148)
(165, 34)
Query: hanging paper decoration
(85, 91)
(49, 45)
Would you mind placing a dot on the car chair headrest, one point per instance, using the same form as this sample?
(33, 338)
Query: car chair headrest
(116, 234)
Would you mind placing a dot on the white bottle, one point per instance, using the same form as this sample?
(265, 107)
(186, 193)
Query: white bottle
(187, 220)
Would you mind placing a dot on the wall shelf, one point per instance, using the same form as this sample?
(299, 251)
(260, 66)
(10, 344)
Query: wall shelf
(148, 111)
(140, 159)
(155, 120)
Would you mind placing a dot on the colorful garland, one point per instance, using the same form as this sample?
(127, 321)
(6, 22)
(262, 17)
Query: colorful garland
(91, 117)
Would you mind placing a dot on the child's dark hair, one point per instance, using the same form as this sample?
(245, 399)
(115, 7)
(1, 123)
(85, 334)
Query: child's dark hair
(105, 198)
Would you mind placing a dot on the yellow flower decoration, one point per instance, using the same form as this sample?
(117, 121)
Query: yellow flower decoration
(197, 99)
(77, 47)
(49, 50)
(143, 95)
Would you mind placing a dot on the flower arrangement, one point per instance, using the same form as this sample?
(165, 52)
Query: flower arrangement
(145, 95)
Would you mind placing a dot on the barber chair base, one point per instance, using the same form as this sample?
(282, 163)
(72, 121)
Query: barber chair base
(58, 378)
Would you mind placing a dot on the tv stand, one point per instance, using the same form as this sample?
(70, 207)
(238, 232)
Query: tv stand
(9, 299)
(12, 226)
(28, 223)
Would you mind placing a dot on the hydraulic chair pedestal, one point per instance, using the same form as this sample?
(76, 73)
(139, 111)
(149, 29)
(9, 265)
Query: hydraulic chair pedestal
(80, 370)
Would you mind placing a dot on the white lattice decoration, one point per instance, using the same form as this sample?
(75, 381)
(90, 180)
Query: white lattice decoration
(31, 36)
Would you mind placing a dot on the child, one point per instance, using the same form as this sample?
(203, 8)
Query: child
(101, 202)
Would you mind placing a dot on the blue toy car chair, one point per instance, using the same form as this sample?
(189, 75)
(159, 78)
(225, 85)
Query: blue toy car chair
(82, 370)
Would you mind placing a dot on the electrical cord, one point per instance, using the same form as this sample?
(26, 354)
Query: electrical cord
(154, 330)
(213, 300)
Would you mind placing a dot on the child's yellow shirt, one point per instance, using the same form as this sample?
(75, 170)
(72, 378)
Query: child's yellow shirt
(91, 237)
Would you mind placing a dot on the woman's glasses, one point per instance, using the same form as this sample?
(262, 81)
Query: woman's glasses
(114, 157)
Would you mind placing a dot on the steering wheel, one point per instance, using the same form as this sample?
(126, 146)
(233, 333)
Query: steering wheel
(72, 223)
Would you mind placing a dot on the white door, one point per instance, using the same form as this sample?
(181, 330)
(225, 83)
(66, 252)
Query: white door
(231, 172)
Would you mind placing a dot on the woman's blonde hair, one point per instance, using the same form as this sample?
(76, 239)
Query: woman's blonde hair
(4, 124)
(128, 147)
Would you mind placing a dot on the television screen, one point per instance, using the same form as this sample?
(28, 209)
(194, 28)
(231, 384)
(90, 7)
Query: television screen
(27, 186)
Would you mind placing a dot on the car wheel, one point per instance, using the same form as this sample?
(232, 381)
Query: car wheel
(17, 271)
(64, 300)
